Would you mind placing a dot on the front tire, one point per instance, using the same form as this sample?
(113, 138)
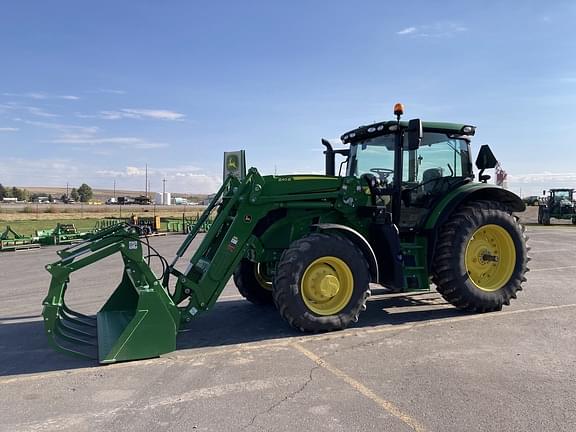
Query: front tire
(252, 282)
(321, 283)
(481, 258)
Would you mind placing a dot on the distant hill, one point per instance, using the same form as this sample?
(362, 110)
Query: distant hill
(104, 194)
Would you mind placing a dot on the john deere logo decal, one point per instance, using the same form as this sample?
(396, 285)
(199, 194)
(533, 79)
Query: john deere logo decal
(232, 163)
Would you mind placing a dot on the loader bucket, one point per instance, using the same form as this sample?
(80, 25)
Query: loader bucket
(138, 321)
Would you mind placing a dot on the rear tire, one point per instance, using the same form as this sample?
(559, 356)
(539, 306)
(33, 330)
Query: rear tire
(321, 283)
(481, 257)
(252, 285)
(540, 213)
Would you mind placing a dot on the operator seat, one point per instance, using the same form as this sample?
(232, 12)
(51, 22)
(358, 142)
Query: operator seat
(428, 177)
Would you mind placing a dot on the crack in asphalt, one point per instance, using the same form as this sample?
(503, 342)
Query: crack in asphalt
(284, 399)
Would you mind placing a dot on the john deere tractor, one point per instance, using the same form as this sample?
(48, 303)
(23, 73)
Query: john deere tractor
(403, 211)
(558, 204)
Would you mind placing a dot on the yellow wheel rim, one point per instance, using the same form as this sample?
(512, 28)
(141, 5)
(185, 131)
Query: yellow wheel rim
(327, 285)
(490, 257)
(263, 280)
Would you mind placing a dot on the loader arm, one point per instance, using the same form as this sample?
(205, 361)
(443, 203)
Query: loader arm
(243, 205)
(142, 317)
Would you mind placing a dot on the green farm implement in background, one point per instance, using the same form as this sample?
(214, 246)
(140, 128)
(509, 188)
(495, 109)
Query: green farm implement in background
(63, 234)
(10, 240)
(403, 211)
(185, 224)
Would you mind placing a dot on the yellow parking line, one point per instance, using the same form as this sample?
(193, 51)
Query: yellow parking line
(386, 405)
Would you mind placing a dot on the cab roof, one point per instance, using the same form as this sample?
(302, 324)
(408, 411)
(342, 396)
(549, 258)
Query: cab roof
(386, 127)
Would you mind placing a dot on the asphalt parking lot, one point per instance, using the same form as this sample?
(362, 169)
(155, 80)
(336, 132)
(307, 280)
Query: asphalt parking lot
(410, 363)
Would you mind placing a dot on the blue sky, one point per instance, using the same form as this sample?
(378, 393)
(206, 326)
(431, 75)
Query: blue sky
(92, 91)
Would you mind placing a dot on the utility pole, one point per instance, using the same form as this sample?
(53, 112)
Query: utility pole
(146, 182)
(114, 188)
(163, 192)
(66, 189)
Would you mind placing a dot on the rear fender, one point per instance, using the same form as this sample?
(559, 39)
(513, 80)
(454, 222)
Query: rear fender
(470, 192)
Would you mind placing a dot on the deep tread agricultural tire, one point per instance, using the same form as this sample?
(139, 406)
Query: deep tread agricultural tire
(449, 269)
(546, 217)
(245, 278)
(287, 289)
(540, 213)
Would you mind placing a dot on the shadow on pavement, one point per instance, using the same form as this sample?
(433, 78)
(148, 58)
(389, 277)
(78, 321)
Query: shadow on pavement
(24, 347)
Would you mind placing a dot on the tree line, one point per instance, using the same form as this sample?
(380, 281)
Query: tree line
(84, 193)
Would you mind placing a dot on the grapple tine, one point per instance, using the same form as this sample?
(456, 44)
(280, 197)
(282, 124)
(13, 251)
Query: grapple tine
(69, 326)
(91, 354)
(139, 320)
(85, 318)
(63, 332)
(83, 321)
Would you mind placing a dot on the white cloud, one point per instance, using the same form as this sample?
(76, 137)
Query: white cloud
(111, 91)
(132, 113)
(38, 172)
(64, 128)
(41, 96)
(436, 30)
(115, 115)
(535, 183)
(124, 142)
(156, 114)
(178, 179)
(36, 111)
(406, 31)
(56, 172)
(8, 129)
(40, 112)
(546, 176)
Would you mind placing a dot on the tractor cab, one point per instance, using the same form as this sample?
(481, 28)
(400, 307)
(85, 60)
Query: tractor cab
(561, 198)
(559, 204)
(408, 165)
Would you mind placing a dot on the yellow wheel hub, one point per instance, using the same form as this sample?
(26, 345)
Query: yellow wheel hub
(327, 285)
(490, 257)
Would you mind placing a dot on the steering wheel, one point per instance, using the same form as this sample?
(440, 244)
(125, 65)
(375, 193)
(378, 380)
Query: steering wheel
(383, 173)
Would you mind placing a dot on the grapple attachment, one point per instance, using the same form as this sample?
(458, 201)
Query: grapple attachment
(138, 321)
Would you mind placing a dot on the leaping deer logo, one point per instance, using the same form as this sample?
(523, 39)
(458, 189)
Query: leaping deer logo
(232, 163)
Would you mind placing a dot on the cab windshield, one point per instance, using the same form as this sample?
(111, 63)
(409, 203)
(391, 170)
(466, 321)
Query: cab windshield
(438, 156)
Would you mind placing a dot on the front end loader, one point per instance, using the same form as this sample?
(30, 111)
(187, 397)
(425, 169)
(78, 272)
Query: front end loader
(406, 213)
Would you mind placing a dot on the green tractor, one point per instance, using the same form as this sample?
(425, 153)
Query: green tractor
(403, 211)
(558, 204)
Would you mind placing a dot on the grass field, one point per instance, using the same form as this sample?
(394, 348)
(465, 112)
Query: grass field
(26, 223)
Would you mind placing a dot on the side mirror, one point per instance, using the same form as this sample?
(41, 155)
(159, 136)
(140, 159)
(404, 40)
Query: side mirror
(485, 159)
(414, 134)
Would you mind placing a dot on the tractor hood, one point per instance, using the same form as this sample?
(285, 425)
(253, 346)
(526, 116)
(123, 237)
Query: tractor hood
(301, 184)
